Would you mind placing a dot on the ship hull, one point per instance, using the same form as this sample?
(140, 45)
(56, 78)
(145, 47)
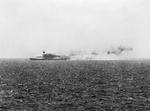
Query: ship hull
(46, 59)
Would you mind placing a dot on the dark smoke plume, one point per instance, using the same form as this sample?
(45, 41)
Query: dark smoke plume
(119, 50)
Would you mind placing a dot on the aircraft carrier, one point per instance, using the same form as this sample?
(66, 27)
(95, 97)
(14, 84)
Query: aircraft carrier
(48, 56)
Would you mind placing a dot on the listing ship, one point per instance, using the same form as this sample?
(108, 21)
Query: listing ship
(48, 56)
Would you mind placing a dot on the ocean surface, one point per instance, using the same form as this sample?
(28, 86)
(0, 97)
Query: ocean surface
(119, 85)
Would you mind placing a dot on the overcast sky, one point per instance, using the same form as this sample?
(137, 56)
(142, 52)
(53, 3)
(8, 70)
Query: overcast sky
(29, 26)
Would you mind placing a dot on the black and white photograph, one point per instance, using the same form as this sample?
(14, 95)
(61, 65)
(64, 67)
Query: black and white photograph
(74, 55)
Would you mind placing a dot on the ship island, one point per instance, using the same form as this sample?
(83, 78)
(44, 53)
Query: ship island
(49, 56)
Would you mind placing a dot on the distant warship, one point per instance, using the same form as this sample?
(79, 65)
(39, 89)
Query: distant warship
(48, 56)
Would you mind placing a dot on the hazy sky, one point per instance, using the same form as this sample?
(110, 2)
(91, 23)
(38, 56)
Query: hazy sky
(29, 26)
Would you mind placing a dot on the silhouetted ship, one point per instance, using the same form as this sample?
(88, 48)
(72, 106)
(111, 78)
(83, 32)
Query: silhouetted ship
(47, 56)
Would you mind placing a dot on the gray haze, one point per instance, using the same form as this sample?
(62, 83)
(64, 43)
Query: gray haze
(30, 26)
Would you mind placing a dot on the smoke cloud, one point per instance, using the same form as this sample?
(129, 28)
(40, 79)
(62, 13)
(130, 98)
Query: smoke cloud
(119, 50)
